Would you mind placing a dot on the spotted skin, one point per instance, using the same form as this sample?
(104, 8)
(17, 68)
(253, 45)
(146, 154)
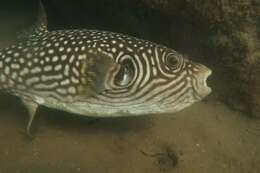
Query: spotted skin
(56, 64)
(99, 73)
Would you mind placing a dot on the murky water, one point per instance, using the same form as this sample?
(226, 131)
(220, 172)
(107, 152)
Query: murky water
(206, 137)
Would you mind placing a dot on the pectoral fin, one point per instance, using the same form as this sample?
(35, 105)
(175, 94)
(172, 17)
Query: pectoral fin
(96, 71)
(31, 108)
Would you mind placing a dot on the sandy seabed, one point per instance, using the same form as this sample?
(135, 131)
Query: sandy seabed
(207, 137)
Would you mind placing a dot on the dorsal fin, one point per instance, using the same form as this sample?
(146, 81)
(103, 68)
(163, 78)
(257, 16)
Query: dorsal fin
(39, 27)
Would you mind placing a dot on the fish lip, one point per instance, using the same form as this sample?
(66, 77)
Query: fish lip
(203, 89)
(208, 73)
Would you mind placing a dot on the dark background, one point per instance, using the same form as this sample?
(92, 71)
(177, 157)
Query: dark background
(207, 137)
(124, 16)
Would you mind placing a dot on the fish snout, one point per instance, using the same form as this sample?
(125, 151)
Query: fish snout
(201, 86)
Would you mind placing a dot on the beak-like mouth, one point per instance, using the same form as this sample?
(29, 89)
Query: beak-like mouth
(201, 86)
(207, 88)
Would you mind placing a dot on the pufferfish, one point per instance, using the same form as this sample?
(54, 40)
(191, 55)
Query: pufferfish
(98, 73)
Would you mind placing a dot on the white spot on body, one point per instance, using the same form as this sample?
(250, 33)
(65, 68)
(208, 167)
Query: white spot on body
(61, 91)
(57, 44)
(72, 58)
(152, 60)
(46, 86)
(11, 83)
(129, 49)
(58, 67)
(16, 54)
(14, 75)
(29, 63)
(15, 66)
(50, 51)
(20, 79)
(82, 57)
(24, 72)
(48, 45)
(74, 80)
(155, 72)
(36, 60)
(114, 50)
(72, 90)
(36, 70)
(55, 59)
(52, 77)
(42, 54)
(21, 87)
(83, 48)
(75, 71)
(47, 59)
(66, 71)
(28, 55)
(7, 70)
(8, 59)
(3, 78)
(48, 68)
(68, 50)
(39, 100)
(32, 80)
(25, 49)
(77, 63)
(9, 52)
(61, 49)
(65, 82)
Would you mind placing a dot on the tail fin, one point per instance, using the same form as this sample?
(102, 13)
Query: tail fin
(39, 27)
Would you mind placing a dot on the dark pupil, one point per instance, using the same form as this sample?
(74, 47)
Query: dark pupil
(172, 60)
(125, 74)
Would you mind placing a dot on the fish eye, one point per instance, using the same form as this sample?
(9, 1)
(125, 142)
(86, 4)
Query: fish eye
(125, 74)
(172, 61)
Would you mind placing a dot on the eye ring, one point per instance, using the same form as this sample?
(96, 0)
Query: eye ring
(172, 61)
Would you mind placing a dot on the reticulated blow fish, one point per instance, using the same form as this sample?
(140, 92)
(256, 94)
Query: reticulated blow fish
(98, 73)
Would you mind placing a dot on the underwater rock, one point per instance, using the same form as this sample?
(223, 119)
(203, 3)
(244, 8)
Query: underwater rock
(233, 29)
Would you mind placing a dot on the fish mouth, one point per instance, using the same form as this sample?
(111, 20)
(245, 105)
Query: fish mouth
(208, 89)
(201, 87)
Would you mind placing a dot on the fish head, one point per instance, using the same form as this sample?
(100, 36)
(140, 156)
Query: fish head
(157, 81)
